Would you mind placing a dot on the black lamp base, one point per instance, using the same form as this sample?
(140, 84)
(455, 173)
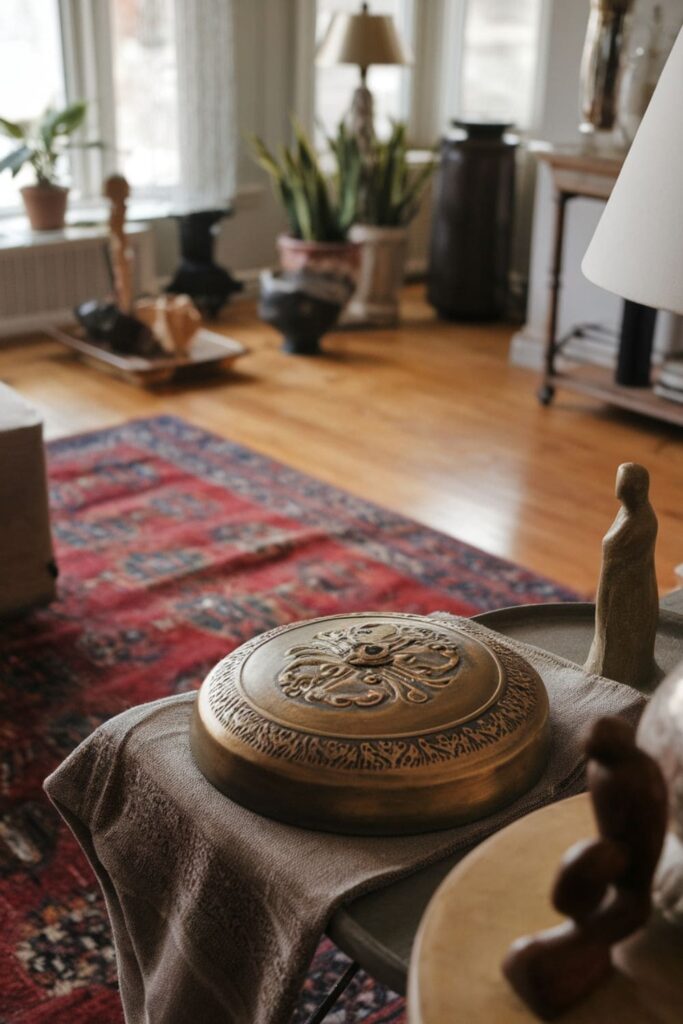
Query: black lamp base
(635, 345)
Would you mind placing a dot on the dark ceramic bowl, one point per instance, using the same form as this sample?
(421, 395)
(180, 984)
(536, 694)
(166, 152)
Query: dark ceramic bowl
(303, 306)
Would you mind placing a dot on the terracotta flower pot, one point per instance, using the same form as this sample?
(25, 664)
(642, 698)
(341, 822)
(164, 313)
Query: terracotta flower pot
(340, 258)
(382, 265)
(45, 206)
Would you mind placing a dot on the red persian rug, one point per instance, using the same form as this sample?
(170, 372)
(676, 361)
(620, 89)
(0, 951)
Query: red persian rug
(175, 546)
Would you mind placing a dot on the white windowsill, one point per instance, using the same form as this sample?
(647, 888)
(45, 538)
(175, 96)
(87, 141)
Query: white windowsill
(84, 213)
(16, 234)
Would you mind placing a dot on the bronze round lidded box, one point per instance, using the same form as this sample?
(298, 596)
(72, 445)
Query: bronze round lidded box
(372, 724)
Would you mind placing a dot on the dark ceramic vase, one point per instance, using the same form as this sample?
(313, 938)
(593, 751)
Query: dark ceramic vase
(303, 306)
(469, 259)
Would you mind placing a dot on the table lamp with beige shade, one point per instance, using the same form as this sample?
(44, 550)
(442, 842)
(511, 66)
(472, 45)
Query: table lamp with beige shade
(363, 39)
(637, 249)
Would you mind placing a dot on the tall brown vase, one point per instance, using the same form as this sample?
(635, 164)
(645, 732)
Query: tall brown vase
(45, 206)
(472, 223)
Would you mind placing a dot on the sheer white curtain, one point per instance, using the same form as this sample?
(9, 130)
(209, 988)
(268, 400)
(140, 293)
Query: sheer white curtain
(207, 134)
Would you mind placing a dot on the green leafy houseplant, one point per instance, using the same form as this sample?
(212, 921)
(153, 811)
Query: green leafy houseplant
(390, 191)
(319, 207)
(40, 144)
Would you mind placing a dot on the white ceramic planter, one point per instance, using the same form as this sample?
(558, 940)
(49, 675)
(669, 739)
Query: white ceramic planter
(380, 276)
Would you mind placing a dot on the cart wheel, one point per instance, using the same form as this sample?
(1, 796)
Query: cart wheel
(546, 393)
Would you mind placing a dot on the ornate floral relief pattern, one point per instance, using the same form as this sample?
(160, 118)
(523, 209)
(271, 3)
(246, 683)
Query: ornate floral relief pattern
(369, 665)
(517, 703)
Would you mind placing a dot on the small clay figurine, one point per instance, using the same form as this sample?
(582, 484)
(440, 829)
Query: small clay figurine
(626, 610)
(116, 189)
(604, 884)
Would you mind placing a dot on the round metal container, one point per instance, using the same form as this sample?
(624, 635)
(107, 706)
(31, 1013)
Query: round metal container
(375, 724)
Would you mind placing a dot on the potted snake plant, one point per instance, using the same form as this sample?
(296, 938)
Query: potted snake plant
(320, 207)
(390, 195)
(40, 143)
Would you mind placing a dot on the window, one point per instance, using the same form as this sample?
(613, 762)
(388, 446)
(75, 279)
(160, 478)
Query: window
(499, 60)
(145, 98)
(31, 76)
(474, 58)
(334, 87)
(120, 55)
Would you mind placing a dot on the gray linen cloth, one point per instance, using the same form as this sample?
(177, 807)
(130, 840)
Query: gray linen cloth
(216, 911)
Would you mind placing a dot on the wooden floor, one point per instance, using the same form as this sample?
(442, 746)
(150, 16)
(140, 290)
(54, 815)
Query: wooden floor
(428, 420)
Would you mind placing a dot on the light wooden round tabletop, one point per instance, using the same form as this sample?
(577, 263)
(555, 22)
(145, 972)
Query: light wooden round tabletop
(501, 891)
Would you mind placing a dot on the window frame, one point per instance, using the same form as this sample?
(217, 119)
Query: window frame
(87, 33)
(88, 72)
(435, 88)
(305, 80)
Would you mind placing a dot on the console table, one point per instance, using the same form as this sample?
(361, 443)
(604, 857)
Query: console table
(576, 173)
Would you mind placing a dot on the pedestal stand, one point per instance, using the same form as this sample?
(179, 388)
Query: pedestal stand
(208, 284)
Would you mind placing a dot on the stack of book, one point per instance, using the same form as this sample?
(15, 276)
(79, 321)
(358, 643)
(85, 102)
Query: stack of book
(670, 381)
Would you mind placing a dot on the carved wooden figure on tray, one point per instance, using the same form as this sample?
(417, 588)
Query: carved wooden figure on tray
(604, 884)
(627, 612)
(117, 190)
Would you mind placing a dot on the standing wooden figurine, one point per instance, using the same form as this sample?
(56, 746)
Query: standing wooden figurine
(116, 190)
(604, 884)
(627, 604)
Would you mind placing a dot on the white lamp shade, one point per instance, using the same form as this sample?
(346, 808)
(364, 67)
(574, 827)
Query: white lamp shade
(637, 248)
(362, 39)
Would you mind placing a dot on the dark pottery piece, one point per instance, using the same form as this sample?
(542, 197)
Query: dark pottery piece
(105, 324)
(482, 129)
(303, 305)
(199, 276)
(471, 233)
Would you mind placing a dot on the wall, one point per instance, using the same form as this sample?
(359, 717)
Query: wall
(580, 300)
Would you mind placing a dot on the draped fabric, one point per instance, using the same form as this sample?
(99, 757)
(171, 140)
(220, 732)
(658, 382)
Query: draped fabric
(206, 102)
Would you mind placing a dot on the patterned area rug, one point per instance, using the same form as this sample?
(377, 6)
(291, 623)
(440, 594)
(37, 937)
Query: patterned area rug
(174, 547)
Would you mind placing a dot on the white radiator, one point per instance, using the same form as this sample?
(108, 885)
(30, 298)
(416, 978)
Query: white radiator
(44, 275)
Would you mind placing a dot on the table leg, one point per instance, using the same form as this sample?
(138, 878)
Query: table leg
(333, 995)
(546, 391)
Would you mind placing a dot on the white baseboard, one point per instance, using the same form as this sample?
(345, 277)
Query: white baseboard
(526, 349)
(32, 323)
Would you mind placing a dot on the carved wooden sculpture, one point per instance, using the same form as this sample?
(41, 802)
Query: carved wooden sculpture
(116, 189)
(626, 612)
(603, 885)
(173, 320)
